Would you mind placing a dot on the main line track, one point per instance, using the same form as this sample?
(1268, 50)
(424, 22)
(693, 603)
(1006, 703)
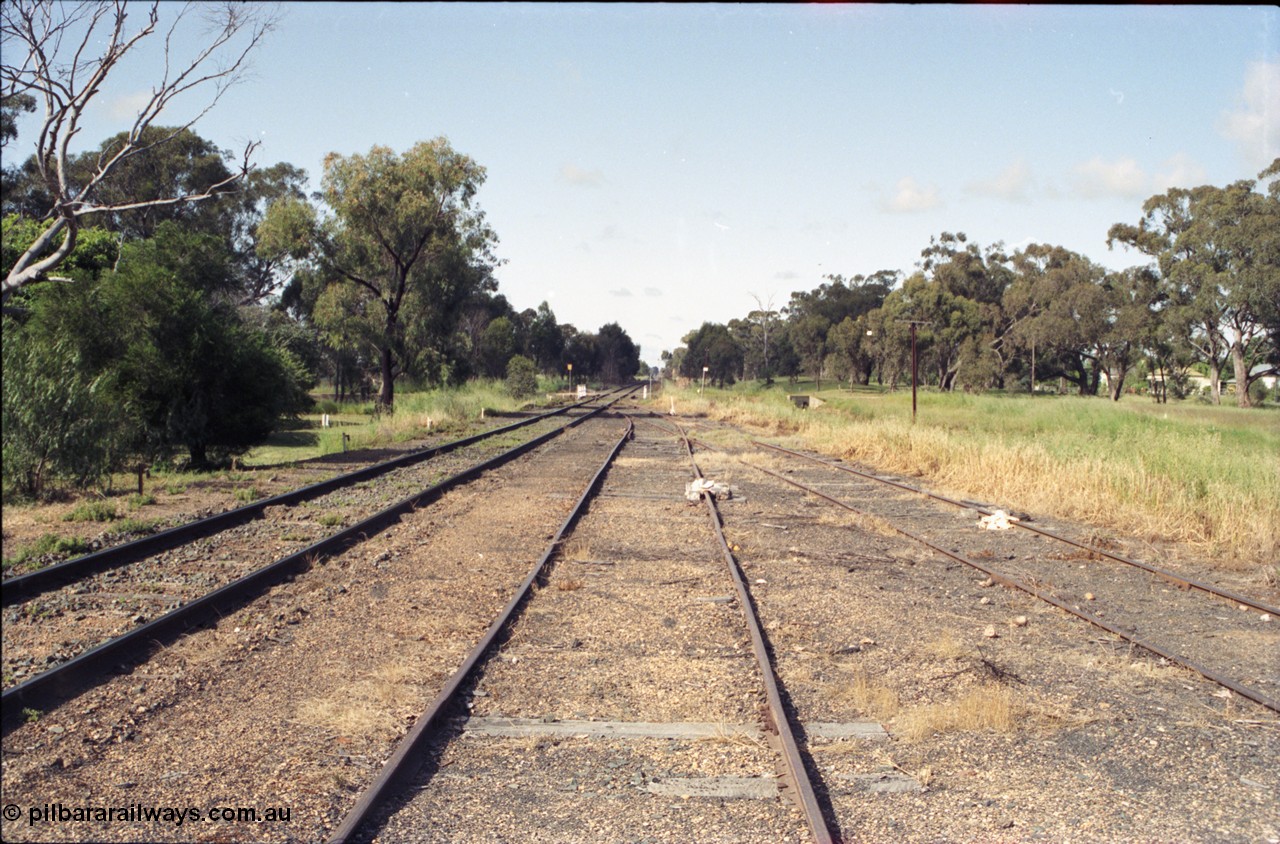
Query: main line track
(390, 805)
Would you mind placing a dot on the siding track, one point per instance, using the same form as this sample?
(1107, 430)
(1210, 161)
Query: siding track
(240, 569)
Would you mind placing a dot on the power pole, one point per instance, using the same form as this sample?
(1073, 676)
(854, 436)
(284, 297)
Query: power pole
(915, 362)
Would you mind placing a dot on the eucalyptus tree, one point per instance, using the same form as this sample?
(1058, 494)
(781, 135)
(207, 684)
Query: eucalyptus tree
(545, 342)
(12, 107)
(1132, 301)
(617, 355)
(948, 320)
(402, 246)
(1048, 311)
(498, 345)
(761, 321)
(581, 351)
(812, 315)
(63, 54)
(852, 352)
(711, 349)
(1218, 252)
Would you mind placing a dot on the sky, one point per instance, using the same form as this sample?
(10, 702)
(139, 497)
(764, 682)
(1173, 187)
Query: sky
(665, 165)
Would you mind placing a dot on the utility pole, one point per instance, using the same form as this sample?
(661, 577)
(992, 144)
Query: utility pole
(915, 362)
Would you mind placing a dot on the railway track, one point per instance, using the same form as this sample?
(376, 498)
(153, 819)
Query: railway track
(596, 676)
(1123, 596)
(297, 710)
(119, 604)
(1090, 548)
(24, 587)
(612, 591)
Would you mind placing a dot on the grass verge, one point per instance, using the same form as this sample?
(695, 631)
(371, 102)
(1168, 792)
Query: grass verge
(1201, 475)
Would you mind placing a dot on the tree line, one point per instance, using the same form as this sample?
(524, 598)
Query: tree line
(199, 327)
(164, 296)
(1208, 298)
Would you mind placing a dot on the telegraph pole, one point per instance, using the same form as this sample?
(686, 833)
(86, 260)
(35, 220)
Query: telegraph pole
(915, 362)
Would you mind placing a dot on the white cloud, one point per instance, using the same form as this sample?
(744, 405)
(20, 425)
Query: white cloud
(620, 292)
(127, 106)
(1013, 185)
(575, 175)
(652, 291)
(1255, 123)
(1096, 178)
(911, 198)
(1179, 171)
(1126, 179)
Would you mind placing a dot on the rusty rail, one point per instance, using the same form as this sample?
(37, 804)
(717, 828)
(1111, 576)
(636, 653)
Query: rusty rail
(1013, 583)
(778, 726)
(1176, 579)
(58, 684)
(406, 760)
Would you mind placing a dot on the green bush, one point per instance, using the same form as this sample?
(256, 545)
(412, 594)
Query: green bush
(522, 377)
(92, 511)
(138, 526)
(48, 544)
(59, 421)
(1258, 392)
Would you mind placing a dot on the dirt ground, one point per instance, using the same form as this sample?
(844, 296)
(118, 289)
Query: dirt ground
(1005, 719)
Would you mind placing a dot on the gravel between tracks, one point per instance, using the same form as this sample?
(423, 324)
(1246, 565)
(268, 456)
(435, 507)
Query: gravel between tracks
(295, 700)
(632, 626)
(60, 624)
(1050, 730)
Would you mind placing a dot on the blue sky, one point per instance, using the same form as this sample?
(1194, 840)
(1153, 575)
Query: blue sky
(657, 165)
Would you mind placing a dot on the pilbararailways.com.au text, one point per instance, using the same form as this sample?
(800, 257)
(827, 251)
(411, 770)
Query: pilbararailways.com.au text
(50, 813)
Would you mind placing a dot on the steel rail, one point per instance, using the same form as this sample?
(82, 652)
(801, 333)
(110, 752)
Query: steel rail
(1177, 579)
(1013, 583)
(406, 760)
(56, 685)
(777, 723)
(27, 586)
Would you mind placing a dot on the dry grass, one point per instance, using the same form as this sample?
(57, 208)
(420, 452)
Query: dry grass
(1270, 576)
(863, 522)
(946, 647)
(726, 734)
(987, 707)
(576, 550)
(1121, 667)
(1200, 476)
(865, 697)
(374, 704)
